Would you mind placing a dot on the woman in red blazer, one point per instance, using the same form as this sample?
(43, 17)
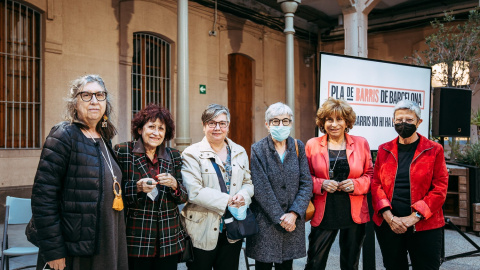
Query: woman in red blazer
(408, 190)
(341, 169)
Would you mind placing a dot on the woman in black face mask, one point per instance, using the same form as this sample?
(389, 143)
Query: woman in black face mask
(408, 190)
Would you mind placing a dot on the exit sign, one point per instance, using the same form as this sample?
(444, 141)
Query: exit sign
(202, 88)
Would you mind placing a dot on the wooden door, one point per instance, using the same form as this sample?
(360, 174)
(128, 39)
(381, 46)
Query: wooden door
(240, 94)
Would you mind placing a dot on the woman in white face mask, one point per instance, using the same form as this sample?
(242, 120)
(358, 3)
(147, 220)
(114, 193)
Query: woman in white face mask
(283, 188)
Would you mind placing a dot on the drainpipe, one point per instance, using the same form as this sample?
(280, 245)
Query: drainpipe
(289, 7)
(182, 139)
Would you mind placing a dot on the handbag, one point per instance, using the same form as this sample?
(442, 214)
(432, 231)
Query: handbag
(311, 208)
(31, 232)
(187, 254)
(236, 229)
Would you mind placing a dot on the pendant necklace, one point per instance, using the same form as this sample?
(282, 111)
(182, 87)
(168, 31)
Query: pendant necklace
(117, 202)
(330, 172)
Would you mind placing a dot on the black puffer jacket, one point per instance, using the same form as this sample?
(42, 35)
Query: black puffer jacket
(67, 193)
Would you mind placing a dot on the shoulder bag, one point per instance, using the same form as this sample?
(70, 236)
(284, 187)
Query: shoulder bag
(311, 208)
(236, 229)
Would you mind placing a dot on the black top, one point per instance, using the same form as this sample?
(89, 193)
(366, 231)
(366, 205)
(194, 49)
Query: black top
(337, 207)
(401, 192)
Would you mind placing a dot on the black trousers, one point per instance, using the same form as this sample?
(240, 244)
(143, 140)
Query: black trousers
(285, 265)
(224, 256)
(424, 248)
(321, 240)
(165, 263)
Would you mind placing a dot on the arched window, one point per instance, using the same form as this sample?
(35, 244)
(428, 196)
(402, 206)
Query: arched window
(20, 76)
(150, 71)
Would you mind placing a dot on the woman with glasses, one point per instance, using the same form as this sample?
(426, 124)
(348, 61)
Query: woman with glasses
(76, 197)
(153, 190)
(409, 188)
(203, 213)
(283, 188)
(341, 169)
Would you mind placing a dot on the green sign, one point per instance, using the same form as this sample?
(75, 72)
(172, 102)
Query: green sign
(203, 89)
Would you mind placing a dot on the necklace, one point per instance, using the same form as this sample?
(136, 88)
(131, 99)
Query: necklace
(330, 172)
(117, 202)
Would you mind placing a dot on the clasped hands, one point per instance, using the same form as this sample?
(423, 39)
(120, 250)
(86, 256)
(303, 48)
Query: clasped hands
(148, 184)
(331, 186)
(400, 225)
(236, 201)
(287, 221)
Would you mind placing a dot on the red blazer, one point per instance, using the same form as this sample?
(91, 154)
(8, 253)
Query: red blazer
(361, 171)
(428, 182)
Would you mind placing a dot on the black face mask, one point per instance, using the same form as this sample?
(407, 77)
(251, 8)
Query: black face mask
(405, 130)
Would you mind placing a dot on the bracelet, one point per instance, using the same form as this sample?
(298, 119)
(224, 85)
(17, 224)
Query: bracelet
(391, 219)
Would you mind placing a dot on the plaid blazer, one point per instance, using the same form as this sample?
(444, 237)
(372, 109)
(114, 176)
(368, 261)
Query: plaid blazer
(150, 221)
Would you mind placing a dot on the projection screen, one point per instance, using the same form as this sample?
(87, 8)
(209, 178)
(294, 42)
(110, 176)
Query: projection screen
(373, 88)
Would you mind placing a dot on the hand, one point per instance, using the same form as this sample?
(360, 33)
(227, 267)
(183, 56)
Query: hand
(396, 223)
(168, 180)
(410, 220)
(346, 186)
(330, 185)
(58, 264)
(237, 201)
(288, 221)
(143, 185)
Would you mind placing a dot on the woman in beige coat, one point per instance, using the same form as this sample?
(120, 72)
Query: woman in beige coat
(206, 204)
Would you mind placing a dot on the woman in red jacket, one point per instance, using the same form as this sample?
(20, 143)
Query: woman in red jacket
(408, 190)
(341, 169)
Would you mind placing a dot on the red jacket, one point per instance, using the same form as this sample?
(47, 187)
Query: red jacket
(361, 171)
(428, 182)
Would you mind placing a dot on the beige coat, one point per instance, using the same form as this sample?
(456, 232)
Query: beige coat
(206, 202)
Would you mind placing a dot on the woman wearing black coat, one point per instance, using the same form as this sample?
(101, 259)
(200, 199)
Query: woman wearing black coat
(76, 200)
(283, 187)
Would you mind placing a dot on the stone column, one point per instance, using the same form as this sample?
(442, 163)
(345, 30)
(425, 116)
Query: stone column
(182, 139)
(289, 7)
(355, 21)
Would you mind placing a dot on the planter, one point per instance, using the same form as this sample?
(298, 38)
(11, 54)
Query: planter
(474, 181)
(474, 189)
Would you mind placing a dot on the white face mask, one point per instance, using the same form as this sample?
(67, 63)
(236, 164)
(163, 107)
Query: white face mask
(239, 213)
(280, 133)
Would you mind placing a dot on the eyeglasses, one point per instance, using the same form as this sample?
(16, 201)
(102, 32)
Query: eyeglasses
(408, 120)
(276, 121)
(222, 124)
(87, 96)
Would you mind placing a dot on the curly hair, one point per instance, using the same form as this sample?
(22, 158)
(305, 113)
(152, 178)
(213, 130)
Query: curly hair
(335, 107)
(152, 112)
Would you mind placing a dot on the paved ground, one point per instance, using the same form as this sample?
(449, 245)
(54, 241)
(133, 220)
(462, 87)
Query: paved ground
(454, 244)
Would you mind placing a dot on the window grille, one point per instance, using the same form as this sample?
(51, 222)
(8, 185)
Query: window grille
(20, 73)
(150, 72)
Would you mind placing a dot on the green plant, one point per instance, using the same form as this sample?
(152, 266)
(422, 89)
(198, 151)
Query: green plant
(454, 46)
(470, 154)
(455, 147)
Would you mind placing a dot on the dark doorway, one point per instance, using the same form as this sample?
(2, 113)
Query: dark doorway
(240, 94)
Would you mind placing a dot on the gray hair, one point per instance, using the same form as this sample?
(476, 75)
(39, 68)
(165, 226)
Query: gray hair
(71, 112)
(277, 109)
(214, 110)
(408, 105)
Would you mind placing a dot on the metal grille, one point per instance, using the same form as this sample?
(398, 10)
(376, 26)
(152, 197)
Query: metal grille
(20, 73)
(150, 72)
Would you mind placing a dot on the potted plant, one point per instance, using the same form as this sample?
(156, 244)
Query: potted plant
(452, 52)
(469, 157)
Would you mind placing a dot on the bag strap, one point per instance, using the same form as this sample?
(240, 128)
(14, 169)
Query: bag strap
(296, 146)
(223, 187)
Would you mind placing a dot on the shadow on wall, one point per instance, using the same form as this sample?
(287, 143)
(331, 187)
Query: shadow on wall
(234, 27)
